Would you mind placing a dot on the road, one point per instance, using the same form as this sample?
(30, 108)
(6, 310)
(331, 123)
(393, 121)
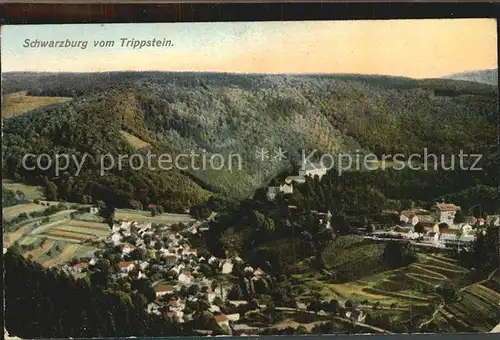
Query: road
(363, 325)
(496, 329)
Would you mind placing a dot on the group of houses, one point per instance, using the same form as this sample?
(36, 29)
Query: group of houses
(437, 226)
(179, 265)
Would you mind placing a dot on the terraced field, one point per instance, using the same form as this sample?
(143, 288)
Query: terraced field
(57, 241)
(477, 309)
(73, 230)
(401, 293)
(15, 210)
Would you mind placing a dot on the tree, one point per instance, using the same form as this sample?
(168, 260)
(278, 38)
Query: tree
(459, 217)
(419, 228)
(333, 306)
(50, 190)
(398, 254)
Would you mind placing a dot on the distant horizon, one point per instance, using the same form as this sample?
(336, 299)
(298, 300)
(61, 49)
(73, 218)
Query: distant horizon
(418, 49)
(249, 73)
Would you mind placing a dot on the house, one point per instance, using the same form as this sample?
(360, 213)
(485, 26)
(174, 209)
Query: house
(233, 317)
(295, 179)
(170, 260)
(244, 330)
(408, 217)
(115, 238)
(248, 270)
(237, 303)
(466, 229)
(444, 212)
(177, 316)
(259, 272)
(493, 220)
(481, 221)
(126, 266)
(214, 309)
(425, 218)
(94, 210)
(212, 260)
(143, 265)
(145, 225)
(432, 237)
(127, 248)
(355, 315)
(227, 267)
(470, 220)
(311, 170)
(273, 191)
(79, 267)
(162, 290)
(186, 252)
(185, 277)
(177, 269)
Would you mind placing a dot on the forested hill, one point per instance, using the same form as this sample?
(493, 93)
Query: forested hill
(483, 76)
(127, 112)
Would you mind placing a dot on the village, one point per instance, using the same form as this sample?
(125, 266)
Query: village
(185, 285)
(438, 227)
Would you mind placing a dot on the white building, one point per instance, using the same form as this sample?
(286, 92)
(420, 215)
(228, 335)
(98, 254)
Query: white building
(272, 192)
(227, 267)
(444, 212)
(309, 169)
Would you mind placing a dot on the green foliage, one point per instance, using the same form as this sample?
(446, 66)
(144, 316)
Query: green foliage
(48, 303)
(233, 114)
(398, 254)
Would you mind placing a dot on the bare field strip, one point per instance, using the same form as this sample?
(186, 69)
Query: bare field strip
(90, 225)
(21, 208)
(66, 254)
(40, 250)
(68, 234)
(162, 218)
(82, 230)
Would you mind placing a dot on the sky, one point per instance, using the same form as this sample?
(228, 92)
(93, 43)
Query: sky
(411, 48)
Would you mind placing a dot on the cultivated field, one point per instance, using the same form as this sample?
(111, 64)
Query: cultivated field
(138, 215)
(73, 230)
(56, 242)
(403, 293)
(15, 210)
(14, 104)
(477, 309)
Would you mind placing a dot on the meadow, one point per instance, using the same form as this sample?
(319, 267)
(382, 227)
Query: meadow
(34, 192)
(17, 103)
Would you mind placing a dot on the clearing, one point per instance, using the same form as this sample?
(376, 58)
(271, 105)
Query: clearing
(33, 192)
(135, 142)
(15, 104)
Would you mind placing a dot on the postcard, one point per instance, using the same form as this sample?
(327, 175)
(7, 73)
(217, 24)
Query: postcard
(250, 178)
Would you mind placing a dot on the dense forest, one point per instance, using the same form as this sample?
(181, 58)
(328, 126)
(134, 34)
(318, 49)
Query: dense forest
(175, 113)
(49, 303)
